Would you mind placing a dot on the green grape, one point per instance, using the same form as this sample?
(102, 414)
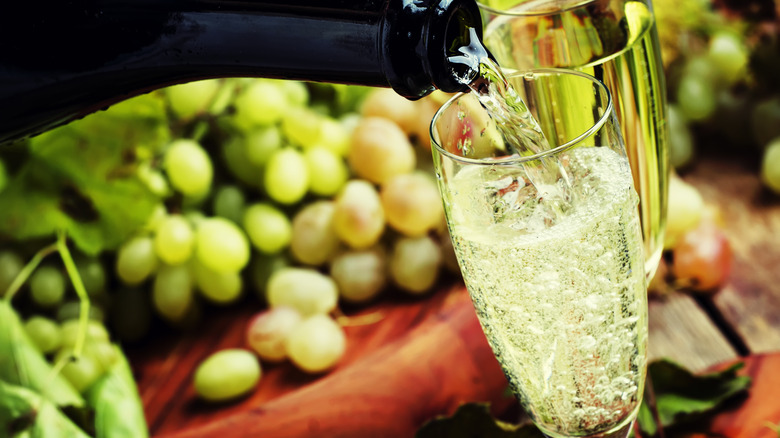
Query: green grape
(261, 269)
(268, 228)
(770, 166)
(684, 211)
(360, 275)
(260, 143)
(412, 203)
(221, 245)
(235, 154)
(93, 275)
(302, 126)
(414, 264)
(155, 217)
(188, 167)
(296, 92)
(218, 287)
(226, 375)
(327, 171)
(45, 333)
(229, 203)
(729, 55)
(81, 372)
(696, 97)
(130, 314)
(286, 176)
(316, 344)
(359, 219)
(765, 121)
(72, 310)
(103, 354)
(314, 239)
(267, 331)
(3, 176)
(334, 136)
(10, 267)
(136, 260)
(174, 240)
(380, 150)
(306, 290)
(261, 103)
(154, 179)
(172, 292)
(193, 98)
(681, 146)
(71, 329)
(47, 286)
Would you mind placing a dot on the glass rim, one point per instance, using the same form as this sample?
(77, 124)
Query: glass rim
(517, 159)
(532, 12)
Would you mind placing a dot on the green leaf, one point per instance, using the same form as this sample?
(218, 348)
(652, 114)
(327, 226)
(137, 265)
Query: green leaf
(474, 420)
(118, 409)
(21, 363)
(24, 413)
(682, 396)
(81, 178)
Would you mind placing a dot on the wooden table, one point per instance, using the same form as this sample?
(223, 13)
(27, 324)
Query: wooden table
(437, 348)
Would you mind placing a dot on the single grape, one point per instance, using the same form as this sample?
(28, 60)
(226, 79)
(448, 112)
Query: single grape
(235, 156)
(314, 239)
(386, 103)
(414, 264)
(268, 228)
(261, 269)
(412, 203)
(380, 150)
(267, 331)
(172, 292)
(81, 372)
(765, 121)
(221, 245)
(696, 97)
(159, 212)
(229, 203)
(174, 240)
(334, 136)
(316, 344)
(359, 219)
(297, 93)
(188, 167)
(154, 180)
(45, 333)
(218, 287)
(770, 166)
(226, 375)
(10, 267)
(261, 142)
(103, 354)
(729, 55)
(702, 258)
(360, 275)
(261, 103)
(302, 126)
(136, 260)
(306, 290)
(681, 143)
(93, 275)
(193, 98)
(47, 286)
(130, 314)
(327, 171)
(684, 210)
(70, 330)
(286, 176)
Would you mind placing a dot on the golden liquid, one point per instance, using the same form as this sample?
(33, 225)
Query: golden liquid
(616, 41)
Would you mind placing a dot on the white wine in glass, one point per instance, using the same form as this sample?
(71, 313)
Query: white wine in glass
(615, 41)
(550, 248)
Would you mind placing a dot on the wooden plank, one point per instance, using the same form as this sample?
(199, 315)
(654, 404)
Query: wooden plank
(681, 331)
(750, 302)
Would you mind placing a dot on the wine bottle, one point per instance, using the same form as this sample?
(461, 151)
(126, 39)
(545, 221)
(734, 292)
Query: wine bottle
(61, 60)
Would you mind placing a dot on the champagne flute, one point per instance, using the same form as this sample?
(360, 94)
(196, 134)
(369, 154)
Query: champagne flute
(616, 41)
(559, 288)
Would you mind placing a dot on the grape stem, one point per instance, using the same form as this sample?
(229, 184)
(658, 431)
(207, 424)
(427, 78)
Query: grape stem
(81, 291)
(28, 269)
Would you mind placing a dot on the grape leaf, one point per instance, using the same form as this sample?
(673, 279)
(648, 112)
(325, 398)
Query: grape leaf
(21, 363)
(474, 420)
(81, 178)
(118, 409)
(24, 413)
(682, 396)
